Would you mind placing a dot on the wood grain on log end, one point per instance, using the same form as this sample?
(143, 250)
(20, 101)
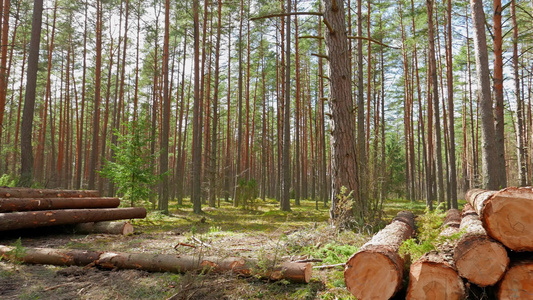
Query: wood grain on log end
(481, 260)
(373, 275)
(517, 283)
(508, 217)
(430, 280)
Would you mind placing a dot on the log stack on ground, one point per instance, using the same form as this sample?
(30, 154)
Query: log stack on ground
(478, 258)
(376, 270)
(506, 215)
(31, 208)
(291, 271)
(434, 275)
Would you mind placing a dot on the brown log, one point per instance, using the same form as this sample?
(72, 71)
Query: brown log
(6, 192)
(27, 204)
(517, 283)
(376, 270)
(506, 215)
(108, 227)
(434, 276)
(478, 258)
(33, 219)
(294, 272)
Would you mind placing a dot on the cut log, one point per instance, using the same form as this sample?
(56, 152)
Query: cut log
(294, 272)
(27, 204)
(122, 228)
(517, 283)
(33, 219)
(478, 258)
(376, 270)
(434, 276)
(45, 193)
(506, 215)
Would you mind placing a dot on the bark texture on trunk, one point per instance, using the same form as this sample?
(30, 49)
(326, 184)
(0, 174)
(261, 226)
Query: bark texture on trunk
(45, 193)
(478, 258)
(506, 215)
(294, 272)
(33, 219)
(376, 270)
(28, 204)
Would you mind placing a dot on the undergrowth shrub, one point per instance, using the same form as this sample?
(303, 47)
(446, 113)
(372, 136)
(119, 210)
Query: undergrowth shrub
(429, 226)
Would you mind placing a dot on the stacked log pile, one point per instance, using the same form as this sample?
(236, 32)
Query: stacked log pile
(495, 250)
(22, 208)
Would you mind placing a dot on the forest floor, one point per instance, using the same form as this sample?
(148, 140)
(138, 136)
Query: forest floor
(262, 233)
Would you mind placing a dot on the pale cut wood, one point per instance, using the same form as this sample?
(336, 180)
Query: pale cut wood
(6, 192)
(33, 219)
(29, 204)
(478, 258)
(517, 283)
(434, 276)
(376, 270)
(294, 272)
(108, 227)
(506, 215)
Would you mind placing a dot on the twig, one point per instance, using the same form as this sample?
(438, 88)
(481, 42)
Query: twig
(56, 286)
(329, 266)
(308, 260)
(200, 242)
(184, 244)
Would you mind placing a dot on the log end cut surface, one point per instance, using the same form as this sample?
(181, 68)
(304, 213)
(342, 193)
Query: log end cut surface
(481, 260)
(371, 275)
(517, 282)
(433, 281)
(508, 218)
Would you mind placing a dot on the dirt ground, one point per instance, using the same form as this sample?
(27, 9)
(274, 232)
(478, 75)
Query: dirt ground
(22, 281)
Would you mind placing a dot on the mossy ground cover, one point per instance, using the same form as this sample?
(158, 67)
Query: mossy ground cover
(263, 233)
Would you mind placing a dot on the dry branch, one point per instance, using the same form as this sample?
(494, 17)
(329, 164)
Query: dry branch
(376, 270)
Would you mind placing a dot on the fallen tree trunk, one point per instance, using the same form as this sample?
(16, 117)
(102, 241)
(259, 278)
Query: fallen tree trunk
(478, 258)
(28, 204)
(45, 193)
(294, 272)
(108, 227)
(506, 215)
(517, 283)
(376, 270)
(434, 276)
(33, 219)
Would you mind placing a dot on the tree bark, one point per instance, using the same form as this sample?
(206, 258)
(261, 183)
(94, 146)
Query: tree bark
(376, 270)
(197, 130)
(489, 164)
(506, 215)
(344, 161)
(434, 276)
(26, 151)
(517, 283)
(29, 204)
(34, 219)
(294, 272)
(478, 258)
(163, 162)
(498, 143)
(285, 204)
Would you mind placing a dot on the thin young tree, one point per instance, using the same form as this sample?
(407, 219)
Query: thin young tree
(163, 158)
